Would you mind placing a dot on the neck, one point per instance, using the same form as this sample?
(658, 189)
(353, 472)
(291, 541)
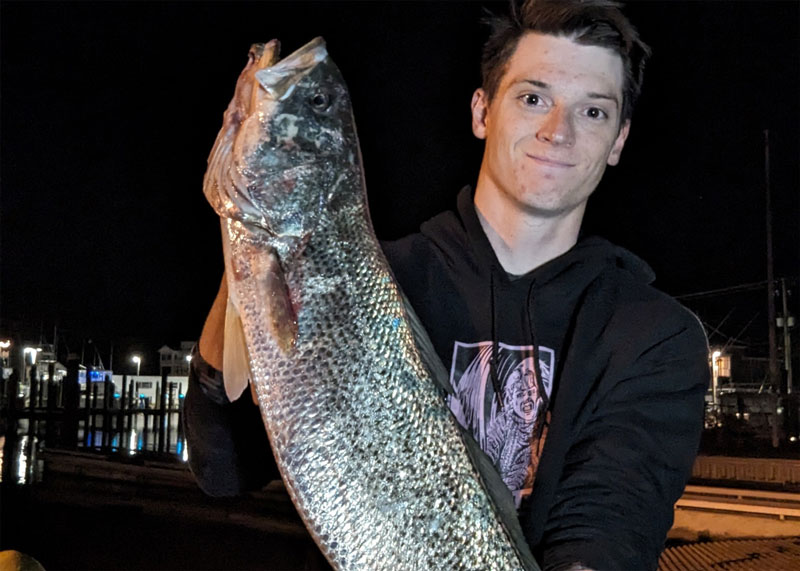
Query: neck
(523, 240)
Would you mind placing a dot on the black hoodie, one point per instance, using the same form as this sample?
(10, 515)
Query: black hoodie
(626, 369)
(621, 368)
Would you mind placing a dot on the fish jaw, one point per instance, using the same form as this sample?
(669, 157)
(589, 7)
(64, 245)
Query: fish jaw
(224, 186)
(280, 78)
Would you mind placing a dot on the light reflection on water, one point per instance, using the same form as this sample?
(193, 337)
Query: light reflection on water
(20, 460)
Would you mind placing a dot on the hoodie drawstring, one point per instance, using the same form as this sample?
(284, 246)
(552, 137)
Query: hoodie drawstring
(495, 344)
(532, 331)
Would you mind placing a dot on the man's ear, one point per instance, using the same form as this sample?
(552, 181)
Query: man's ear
(619, 143)
(480, 109)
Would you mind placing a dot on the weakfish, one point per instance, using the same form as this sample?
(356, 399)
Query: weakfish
(349, 386)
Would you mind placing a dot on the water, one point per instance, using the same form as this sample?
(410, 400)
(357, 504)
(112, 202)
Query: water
(135, 432)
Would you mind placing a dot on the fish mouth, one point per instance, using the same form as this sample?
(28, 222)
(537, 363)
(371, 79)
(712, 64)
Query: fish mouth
(309, 54)
(268, 54)
(262, 56)
(265, 55)
(280, 78)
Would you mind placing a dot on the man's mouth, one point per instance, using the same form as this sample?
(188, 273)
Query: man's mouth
(546, 161)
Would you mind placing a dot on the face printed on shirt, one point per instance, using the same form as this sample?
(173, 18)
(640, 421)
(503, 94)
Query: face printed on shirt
(521, 393)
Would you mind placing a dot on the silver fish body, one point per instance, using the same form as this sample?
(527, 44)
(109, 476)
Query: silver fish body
(348, 386)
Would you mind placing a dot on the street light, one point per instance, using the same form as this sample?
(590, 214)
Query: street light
(5, 345)
(138, 360)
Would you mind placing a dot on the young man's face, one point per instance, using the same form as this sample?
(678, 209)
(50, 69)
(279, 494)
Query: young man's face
(552, 126)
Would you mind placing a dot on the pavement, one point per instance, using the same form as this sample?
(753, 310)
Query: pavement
(74, 519)
(90, 511)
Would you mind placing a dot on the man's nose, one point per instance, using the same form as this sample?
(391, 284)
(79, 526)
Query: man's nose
(557, 128)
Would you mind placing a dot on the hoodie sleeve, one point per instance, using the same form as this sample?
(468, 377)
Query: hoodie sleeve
(229, 452)
(631, 458)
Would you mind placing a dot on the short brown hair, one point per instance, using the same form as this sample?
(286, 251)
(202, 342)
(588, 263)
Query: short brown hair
(591, 22)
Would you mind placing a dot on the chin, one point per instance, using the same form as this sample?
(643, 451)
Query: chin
(548, 208)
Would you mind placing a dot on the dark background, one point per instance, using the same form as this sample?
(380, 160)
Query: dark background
(109, 110)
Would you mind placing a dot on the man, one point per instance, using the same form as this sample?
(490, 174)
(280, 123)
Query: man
(581, 382)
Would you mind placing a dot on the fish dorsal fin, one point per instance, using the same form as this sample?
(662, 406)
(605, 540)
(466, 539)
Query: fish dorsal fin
(430, 358)
(235, 360)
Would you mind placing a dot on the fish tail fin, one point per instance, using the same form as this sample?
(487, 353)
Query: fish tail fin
(235, 359)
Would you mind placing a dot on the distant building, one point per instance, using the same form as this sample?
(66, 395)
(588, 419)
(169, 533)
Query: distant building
(175, 361)
(144, 391)
(5, 352)
(42, 355)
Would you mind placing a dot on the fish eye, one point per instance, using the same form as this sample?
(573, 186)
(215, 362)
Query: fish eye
(320, 101)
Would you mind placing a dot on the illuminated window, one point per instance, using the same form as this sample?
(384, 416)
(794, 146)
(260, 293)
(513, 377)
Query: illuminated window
(721, 364)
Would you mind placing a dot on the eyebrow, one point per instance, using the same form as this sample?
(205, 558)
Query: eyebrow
(591, 94)
(536, 83)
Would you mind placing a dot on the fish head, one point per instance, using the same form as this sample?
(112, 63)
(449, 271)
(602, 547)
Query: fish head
(287, 146)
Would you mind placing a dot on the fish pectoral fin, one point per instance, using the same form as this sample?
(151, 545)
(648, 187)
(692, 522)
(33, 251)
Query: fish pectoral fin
(235, 361)
(282, 322)
(430, 358)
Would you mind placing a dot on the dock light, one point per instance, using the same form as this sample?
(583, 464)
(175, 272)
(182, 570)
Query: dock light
(138, 360)
(31, 352)
(715, 377)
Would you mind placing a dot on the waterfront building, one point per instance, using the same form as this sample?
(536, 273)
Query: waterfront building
(175, 361)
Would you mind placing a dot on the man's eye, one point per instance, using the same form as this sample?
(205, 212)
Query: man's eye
(596, 113)
(531, 99)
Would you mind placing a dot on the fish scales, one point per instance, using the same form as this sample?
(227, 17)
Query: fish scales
(371, 456)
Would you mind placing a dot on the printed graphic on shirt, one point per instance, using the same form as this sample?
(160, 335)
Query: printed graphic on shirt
(506, 434)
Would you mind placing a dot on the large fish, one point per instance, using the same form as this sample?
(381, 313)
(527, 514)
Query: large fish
(349, 387)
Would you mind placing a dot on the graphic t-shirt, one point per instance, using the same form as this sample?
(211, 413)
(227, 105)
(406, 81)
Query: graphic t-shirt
(509, 434)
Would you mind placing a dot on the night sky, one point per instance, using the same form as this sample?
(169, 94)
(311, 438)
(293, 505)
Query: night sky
(110, 109)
